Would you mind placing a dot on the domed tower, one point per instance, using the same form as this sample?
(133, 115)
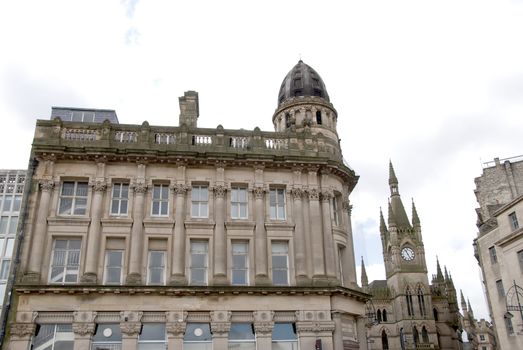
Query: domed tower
(304, 104)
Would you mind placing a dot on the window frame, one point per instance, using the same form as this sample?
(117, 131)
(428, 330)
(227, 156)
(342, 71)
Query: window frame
(106, 266)
(155, 341)
(275, 254)
(162, 267)
(276, 205)
(493, 255)
(66, 266)
(204, 268)
(199, 202)
(513, 221)
(162, 202)
(335, 210)
(237, 205)
(74, 198)
(119, 200)
(244, 269)
(500, 288)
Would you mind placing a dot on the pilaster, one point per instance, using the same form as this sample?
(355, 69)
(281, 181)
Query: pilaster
(175, 327)
(130, 325)
(260, 238)
(83, 328)
(178, 260)
(263, 325)
(135, 261)
(220, 326)
(220, 241)
(315, 219)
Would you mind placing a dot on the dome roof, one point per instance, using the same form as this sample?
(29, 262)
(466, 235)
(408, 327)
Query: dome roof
(302, 80)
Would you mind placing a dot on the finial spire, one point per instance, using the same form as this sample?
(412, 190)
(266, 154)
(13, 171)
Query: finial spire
(470, 308)
(463, 303)
(439, 274)
(383, 227)
(415, 217)
(393, 180)
(391, 220)
(364, 278)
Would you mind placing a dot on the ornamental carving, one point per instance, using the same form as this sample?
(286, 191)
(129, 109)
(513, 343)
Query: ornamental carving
(130, 328)
(219, 191)
(314, 194)
(84, 316)
(22, 330)
(99, 186)
(347, 206)
(258, 192)
(315, 327)
(176, 328)
(220, 328)
(46, 186)
(297, 193)
(83, 329)
(139, 188)
(263, 328)
(326, 196)
(179, 189)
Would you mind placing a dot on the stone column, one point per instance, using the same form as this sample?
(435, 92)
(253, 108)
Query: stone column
(83, 328)
(135, 260)
(260, 238)
(175, 327)
(299, 238)
(328, 240)
(178, 249)
(21, 334)
(220, 240)
(263, 325)
(130, 325)
(337, 336)
(93, 239)
(317, 236)
(362, 333)
(349, 264)
(39, 233)
(220, 326)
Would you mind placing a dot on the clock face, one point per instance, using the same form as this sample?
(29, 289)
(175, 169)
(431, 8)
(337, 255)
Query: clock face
(407, 254)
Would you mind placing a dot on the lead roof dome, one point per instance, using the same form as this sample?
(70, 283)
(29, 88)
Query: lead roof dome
(302, 80)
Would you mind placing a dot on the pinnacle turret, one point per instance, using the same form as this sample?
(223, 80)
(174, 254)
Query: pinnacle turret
(415, 217)
(364, 278)
(398, 211)
(439, 274)
(463, 303)
(393, 180)
(383, 227)
(390, 218)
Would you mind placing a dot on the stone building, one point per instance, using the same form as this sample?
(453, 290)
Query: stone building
(411, 313)
(163, 237)
(479, 334)
(499, 246)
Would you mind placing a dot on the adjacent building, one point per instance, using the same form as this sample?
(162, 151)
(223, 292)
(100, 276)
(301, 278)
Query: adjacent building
(411, 313)
(499, 246)
(164, 237)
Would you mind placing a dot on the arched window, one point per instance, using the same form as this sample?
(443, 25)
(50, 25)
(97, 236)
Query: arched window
(287, 120)
(384, 340)
(435, 312)
(421, 302)
(415, 335)
(318, 117)
(378, 315)
(424, 335)
(410, 307)
(384, 315)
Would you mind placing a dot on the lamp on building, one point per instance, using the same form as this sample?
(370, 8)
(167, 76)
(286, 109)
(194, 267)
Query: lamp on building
(513, 300)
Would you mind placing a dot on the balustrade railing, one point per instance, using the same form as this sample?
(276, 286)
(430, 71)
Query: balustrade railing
(276, 143)
(239, 142)
(164, 139)
(126, 136)
(79, 135)
(201, 140)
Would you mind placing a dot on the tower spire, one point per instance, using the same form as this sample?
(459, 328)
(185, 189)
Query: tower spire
(383, 227)
(364, 279)
(470, 308)
(415, 217)
(439, 274)
(463, 303)
(400, 216)
(390, 218)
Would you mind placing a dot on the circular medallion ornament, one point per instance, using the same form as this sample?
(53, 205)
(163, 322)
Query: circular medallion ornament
(407, 254)
(198, 332)
(107, 332)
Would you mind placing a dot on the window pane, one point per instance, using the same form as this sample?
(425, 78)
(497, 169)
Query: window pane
(163, 209)
(243, 195)
(279, 248)
(239, 261)
(279, 261)
(243, 210)
(165, 192)
(156, 208)
(114, 206)
(68, 188)
(203, 210)
(241, 331)
(152, 331)
(234, 195)
(239, 277)
(81, 189)
(12, 224)
(281, 212)
(197, 276)
(113, 274)
(272, 197)
(74, 243)
(4, 270)
(200, 332)
(7, 203)
(114, 258)
(3, 224)
(199, 260)
(65, 206)
(16, 203)
(283, 331)
(156, 259)
(279, 277)
(80, 206)
(123, 206)
(10, 243)
(125, 191)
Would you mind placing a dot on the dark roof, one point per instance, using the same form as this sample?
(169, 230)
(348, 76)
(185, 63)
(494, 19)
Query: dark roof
(87, 115)
(302, 80)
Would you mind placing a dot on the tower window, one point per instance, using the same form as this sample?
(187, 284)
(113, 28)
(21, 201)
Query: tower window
(410, 306)
(318, 118)
(513, 219)
(287, 120)
(421, 302)
(297, 83)
(493, 255)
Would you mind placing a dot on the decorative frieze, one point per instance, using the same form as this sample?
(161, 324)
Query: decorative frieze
(315, 327)
(46, 185)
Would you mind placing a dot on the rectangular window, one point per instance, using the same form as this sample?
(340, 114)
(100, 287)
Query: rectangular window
(7, 203)
(241, 337)
(108, 336)
(120, 199)
(4, 270)
(200, 202)
(500, 288)
(73, 198)
(513, 220)
(113, 266)
(341, 252)
(280, 263)
(493, 255)
(335, 211)
(53, 337)
(4, 222)
(152, 337)
(197, 336)
(284, 336)
(156, 267)
(277, 203)
(65, 261)
(17, 200)
(508, 325)
(239, 203)
(481, 337)
(240, 263)
(199, 263)
(160, 205)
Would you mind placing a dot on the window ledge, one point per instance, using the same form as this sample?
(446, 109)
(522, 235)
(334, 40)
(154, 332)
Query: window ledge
(117, 221)
(158, 222)
(72, 221)
(239, 224)
(284, 226)
(199, 224)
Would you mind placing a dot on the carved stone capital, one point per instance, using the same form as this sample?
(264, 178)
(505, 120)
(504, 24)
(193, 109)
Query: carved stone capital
(220, 329)
(130, 328)
(347, 206)
(297, 193)
(263, 328)
(139, 187)
(313, 194)
(22, 330)
(179, 189)
(46, 185)
(98, 186)
(219, 191)
(326, 196)
(177, 329)
(83, 329)
(258, 192)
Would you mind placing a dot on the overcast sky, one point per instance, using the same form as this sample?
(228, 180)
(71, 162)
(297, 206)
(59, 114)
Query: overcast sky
(435, 86)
